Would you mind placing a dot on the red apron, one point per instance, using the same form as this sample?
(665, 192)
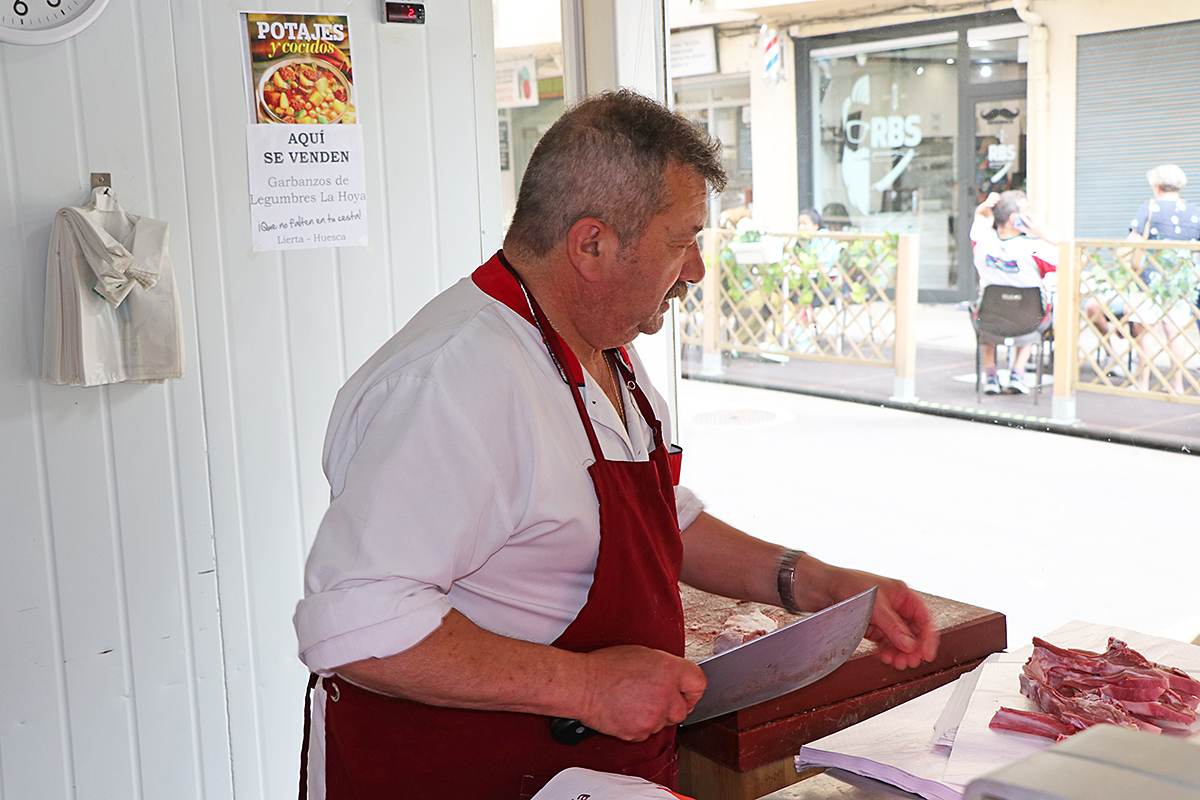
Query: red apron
(384, 747)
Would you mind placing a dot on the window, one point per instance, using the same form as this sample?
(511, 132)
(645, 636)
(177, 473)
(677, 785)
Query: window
(529, 84)
(885, 118)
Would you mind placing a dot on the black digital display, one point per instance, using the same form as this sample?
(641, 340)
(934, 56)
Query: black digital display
(405, 12)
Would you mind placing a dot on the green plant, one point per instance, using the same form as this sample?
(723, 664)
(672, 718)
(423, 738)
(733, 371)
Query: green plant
(1174, 279)
(1167, 276)
(868, 265)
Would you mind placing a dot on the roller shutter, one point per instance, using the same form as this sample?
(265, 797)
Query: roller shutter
(1137, 106)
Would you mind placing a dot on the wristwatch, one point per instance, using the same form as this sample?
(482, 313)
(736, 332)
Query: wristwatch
(786, 581)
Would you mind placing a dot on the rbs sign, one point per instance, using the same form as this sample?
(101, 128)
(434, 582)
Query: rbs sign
(892, 131)
(1002, 153)
(896, 131)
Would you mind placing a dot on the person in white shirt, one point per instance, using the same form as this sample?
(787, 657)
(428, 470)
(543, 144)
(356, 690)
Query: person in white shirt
(505, 538)
(1010, 249)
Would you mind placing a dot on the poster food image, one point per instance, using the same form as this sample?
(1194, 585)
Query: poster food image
(300, 68)
(304, 145)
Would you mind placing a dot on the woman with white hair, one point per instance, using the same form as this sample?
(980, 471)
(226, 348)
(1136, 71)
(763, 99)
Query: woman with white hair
(1166, 215)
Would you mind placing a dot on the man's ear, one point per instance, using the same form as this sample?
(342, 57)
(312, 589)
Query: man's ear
(590, 245)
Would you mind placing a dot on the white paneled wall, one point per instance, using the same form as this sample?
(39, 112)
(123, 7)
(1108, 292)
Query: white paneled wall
(152, 537)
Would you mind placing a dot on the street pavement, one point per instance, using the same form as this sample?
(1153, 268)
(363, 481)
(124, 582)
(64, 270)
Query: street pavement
(1042, 527)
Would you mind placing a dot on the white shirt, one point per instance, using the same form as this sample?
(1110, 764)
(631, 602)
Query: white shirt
(112, 308)
(1020, 262)
(458, 464)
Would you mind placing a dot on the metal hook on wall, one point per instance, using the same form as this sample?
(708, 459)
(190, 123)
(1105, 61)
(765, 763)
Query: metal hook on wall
(103, 179)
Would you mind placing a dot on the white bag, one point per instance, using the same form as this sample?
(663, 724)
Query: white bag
(576, 782)
(112, 309)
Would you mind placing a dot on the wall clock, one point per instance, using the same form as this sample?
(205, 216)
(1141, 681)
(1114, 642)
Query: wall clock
(46, 21)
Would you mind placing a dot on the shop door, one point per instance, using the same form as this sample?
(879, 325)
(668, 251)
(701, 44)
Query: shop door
(998, 164)
(999, 146)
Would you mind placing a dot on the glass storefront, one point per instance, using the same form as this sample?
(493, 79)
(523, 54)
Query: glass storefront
(884, 134)
(723, 109)
(909, 133)
(529, 84)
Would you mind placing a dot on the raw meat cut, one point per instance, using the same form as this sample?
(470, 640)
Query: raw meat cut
(1120, 686)
(742, 628)
(1038, 723)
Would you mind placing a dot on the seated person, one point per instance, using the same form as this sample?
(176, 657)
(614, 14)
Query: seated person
(823, 248)
(1164, 216)
(1011, 250)
(824, 252)
(836, 217)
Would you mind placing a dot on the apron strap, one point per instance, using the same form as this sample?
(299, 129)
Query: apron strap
(555, 344)
(660, 456)
(639, 397)
(312, 682)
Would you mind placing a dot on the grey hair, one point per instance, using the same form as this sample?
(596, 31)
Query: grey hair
(1008, 204)
(607, 158)
(1167, 177)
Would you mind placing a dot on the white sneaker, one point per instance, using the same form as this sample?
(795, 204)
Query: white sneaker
(1016, 384)
(991, 385)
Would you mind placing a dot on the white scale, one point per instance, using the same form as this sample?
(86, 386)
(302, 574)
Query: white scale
(1104, 762)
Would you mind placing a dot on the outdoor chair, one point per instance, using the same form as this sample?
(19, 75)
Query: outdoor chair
(1012, 316)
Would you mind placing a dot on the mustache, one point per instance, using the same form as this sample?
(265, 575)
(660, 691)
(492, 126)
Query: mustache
(1006, 113)
(678, 291)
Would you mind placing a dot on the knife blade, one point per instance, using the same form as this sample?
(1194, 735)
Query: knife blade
(782, 661)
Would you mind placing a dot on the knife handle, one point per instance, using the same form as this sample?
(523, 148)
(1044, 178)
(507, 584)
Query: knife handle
(568, 731)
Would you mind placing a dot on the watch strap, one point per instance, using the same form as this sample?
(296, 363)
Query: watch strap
(786, 580)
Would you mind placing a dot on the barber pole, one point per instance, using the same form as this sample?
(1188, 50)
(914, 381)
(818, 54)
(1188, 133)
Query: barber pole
(772, 55)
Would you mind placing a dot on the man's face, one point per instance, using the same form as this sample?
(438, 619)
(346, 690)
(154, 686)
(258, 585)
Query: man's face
(660, 266)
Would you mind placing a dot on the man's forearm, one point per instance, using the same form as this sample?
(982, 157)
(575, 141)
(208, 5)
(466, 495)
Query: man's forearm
(720, 559)
(464, 666)
(626, 691)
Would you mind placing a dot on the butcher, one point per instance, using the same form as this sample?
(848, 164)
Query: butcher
(506, 536)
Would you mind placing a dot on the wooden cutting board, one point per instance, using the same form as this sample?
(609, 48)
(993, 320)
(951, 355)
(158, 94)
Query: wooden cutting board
(860, 688)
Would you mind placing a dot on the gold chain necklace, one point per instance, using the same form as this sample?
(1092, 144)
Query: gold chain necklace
(612, 373)
(619, 401)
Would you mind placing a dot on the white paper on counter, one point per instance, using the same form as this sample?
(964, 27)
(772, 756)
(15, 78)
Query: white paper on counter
(892, 747)
(979, 749)
(946, 727)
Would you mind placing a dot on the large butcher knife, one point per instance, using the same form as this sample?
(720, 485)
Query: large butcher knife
(782, 661)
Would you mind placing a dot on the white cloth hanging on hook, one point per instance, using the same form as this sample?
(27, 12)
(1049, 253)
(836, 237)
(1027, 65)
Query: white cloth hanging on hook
(112, 308)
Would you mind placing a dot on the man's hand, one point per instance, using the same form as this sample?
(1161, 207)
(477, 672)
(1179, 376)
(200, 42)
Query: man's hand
(633, 692)
(984, 209)
(901, 624)
(1032, 225)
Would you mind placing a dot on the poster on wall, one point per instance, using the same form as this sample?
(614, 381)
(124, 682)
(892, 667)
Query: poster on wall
(304, 145)
(516, 84)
